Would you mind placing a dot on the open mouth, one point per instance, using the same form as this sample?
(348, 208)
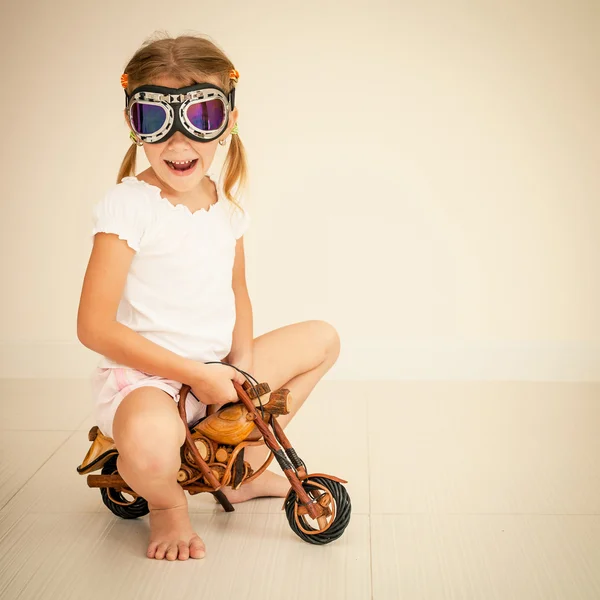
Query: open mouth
(182, 166)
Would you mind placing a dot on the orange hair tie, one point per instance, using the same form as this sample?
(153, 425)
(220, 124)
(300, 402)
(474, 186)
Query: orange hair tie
(124, 80)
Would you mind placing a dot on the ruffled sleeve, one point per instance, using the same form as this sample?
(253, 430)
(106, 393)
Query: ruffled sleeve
(124, 212)
(240, 221)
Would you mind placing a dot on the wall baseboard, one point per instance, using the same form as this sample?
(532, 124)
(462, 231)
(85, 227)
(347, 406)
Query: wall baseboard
(418, 361)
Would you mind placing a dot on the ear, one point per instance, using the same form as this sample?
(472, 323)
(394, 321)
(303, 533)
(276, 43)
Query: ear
(233, 118)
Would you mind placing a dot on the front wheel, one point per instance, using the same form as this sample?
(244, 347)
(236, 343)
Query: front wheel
(326, 529)
(117, 503)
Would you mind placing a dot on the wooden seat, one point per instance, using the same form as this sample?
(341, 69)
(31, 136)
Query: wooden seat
(100, 451)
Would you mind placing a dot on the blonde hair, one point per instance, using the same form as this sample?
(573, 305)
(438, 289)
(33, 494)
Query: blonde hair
(189, 58)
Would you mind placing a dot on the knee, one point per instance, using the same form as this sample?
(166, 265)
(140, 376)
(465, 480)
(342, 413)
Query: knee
(148, 452)
(146, 442)
(330, 339)
(148, 460)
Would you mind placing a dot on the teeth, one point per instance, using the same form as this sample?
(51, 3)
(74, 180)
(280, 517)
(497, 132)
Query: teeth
(181, 162)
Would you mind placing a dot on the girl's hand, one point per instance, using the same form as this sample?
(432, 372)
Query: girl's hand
(214, 384)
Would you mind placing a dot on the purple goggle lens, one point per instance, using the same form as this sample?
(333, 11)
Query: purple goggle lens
(147, 118)
(206, 116)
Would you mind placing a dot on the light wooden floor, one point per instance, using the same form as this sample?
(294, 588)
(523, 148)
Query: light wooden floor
(474, 491)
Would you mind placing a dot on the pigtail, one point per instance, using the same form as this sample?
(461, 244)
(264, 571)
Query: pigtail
(236, 170)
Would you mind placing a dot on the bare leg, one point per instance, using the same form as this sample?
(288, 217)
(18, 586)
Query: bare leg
(295, 357)
(148, 433)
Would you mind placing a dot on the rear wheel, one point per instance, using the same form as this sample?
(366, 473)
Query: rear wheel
(121, 503)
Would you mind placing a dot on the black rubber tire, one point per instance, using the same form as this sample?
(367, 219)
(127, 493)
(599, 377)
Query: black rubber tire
(342, 515)
(138, 508)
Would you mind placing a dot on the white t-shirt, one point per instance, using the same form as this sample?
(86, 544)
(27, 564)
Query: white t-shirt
(178, 292)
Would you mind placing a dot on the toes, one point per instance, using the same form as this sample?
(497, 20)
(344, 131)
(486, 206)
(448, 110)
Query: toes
(184, 551)
(152, 549)
(161, 550)
(197, 549)
(172, 551)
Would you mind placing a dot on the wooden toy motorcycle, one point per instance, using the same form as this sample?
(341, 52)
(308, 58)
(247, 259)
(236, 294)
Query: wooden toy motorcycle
(213, 456)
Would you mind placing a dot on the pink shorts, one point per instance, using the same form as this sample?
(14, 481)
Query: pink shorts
(111, 385)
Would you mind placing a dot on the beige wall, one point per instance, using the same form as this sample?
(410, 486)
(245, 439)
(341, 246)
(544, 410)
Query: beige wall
(427, 174)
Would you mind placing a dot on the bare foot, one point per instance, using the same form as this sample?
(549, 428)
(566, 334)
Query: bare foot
(172, 536)
(269, 484)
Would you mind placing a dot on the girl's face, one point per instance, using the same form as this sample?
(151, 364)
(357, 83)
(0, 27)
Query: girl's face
(181, 148)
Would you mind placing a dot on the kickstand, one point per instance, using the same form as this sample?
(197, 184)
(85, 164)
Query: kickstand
(222, 500)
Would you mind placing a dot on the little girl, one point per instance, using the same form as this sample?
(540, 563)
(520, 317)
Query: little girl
(165, 294)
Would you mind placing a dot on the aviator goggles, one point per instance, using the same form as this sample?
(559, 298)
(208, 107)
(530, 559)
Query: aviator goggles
(199, 111)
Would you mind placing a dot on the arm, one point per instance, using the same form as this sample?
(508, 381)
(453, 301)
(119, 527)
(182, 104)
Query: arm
(242, 344)
(97, 328)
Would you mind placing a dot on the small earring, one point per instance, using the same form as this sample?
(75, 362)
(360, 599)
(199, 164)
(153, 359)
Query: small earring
(222, 142)
(135, 139)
